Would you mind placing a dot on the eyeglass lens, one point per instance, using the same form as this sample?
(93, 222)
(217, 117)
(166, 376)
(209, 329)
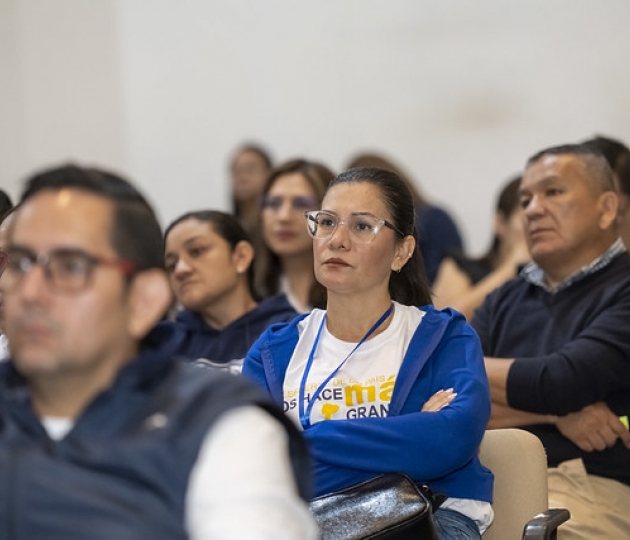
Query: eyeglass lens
(361, 228)
(298, 203)
(68, 270)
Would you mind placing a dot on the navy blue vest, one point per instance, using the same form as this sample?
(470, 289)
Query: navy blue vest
(122, 472)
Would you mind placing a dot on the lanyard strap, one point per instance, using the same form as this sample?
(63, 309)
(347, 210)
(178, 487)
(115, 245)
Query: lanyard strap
(305, 416)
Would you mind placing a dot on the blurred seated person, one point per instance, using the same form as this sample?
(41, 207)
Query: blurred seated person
(249, 168)
(103, 434)
(463, 282)
(437, 232)
(5, 219)
(284, 260)
(618, 156)
(209, 257)
(380, 381)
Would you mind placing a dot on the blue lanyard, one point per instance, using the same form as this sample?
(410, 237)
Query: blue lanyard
(305, 416)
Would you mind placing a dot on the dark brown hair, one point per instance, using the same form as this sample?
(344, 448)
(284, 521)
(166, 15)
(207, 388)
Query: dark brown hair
(136, 235)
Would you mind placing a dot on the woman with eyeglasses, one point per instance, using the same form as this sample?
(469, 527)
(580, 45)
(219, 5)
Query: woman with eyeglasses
(208, 258)
(377, 383)
(285, 259)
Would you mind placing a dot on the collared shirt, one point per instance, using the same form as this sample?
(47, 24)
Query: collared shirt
(536, 276)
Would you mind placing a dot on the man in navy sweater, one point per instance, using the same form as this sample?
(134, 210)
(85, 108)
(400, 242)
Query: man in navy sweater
(557, 339)
(103, 434)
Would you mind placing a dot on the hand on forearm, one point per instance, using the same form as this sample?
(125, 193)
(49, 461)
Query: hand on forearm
(595, 427)
(439, 400)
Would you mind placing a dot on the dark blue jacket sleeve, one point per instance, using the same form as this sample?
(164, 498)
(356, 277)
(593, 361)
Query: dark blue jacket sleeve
(585, 370)
(253, 367)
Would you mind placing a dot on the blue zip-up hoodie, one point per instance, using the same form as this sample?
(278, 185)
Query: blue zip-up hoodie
(434, 448)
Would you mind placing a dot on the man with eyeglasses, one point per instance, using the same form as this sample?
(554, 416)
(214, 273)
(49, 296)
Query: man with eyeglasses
(102, 434)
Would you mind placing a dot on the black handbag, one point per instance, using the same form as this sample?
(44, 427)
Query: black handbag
(388, 507)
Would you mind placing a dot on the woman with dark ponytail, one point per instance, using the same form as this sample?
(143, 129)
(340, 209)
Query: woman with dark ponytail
(380, 381)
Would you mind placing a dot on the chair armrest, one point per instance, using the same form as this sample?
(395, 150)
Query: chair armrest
(544, 526)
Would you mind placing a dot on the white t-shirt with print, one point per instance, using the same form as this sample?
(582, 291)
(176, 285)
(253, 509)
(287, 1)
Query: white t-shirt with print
(363, 385)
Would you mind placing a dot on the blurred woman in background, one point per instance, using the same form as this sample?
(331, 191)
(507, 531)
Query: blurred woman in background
(285, 259)
(463, 282)
(618, 156)
(249, 168)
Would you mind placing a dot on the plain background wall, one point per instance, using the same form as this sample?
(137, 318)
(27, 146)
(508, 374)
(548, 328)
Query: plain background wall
(458, 93)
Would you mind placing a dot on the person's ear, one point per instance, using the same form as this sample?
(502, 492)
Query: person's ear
(404, 252)
(149, 298)
(242, 256)
(608, 204)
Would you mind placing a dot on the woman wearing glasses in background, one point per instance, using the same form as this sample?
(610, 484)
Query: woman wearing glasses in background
(284, 263)
(376, 383)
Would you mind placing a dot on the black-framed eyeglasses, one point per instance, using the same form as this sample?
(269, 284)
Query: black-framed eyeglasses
(298, 203)
(362, 228)
(4, 260)
(66, 270)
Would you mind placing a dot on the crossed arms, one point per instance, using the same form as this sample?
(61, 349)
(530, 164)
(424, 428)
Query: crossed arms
(594, 427)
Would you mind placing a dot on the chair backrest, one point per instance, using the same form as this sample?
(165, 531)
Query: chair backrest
(519, 463)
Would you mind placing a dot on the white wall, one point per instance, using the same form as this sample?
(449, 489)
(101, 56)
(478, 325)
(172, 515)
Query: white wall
(60, 88)
(459, 93)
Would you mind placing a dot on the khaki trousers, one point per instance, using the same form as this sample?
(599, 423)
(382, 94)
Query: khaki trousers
(600, 507)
